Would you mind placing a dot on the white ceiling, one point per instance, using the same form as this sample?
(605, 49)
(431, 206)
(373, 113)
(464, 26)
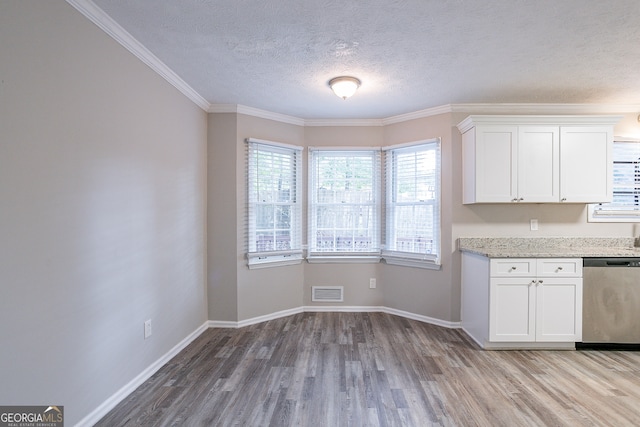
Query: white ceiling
(409, 54)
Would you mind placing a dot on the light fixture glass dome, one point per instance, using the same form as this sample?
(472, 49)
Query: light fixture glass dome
(344, 86)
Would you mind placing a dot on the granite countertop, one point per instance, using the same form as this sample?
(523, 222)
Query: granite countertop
(549, 247)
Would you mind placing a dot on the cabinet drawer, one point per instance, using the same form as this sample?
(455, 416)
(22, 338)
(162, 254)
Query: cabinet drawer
(559, 267)
(513, 267)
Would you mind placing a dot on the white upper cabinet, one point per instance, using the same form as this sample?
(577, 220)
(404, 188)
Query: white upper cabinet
(585, 175)
(537, 159)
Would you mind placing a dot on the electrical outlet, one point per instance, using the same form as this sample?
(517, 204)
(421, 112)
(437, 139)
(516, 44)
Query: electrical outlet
(534, 225)
(147, 329)
(372, 283)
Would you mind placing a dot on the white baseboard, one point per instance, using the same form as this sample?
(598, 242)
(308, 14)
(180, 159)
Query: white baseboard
(343, 309)
(333, 308)
(254, 320)
(424, 319)
(102, 410)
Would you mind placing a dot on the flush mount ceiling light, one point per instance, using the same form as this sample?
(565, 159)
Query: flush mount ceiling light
(344, 86)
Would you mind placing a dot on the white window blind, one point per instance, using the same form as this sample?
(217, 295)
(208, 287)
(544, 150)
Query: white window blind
(413, 204)
(344, 204)
(274, 211)
(625, 206)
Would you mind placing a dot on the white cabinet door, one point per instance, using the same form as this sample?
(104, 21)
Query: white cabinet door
(512, 310)
(496, 164)
(538, 164)
(559, 309)
(586, 164)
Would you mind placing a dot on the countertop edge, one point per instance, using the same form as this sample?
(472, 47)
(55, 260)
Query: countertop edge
(550, 247)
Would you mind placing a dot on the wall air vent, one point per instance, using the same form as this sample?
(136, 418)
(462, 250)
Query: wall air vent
(327, 293)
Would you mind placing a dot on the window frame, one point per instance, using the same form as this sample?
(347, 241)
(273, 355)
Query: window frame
(314, 255)
(391, 255)
(603, 212)
(276, 257)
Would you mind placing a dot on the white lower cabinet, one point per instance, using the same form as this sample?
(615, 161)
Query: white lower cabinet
(530, 302)
(535, 310)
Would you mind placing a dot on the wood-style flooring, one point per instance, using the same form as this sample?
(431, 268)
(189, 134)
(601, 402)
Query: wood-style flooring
(375, 369)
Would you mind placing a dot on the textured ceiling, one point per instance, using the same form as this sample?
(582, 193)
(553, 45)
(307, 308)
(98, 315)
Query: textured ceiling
(409, 54)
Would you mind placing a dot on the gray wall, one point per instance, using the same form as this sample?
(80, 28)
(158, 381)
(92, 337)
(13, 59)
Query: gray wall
(102, 211)
(222, 218)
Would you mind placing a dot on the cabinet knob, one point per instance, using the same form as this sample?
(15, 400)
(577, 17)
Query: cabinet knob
(514, 200)
(559, 269)
(564, 199)
(512, 269)
(540, 282)
(520, 199)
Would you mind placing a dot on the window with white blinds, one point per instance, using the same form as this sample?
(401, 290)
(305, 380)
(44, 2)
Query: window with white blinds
(413, 204)
(274, 211)
(625, 206)
(344, 204)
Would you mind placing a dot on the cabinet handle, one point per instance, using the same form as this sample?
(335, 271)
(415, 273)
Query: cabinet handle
(514, 200)
(520, 199)
(540, 282)
(564, 199)
(559, 269)
(513, 269)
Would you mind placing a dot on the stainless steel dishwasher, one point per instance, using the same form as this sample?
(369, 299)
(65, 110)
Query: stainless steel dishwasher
(611, 303)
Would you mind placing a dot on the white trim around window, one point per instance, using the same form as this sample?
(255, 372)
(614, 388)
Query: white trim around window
(344, 204)
(413, 182)
(274, 212)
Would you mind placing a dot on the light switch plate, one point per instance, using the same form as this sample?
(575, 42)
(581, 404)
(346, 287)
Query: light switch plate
(147, 329)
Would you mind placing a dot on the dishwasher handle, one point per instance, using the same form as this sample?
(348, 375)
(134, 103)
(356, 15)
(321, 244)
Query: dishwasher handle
(611, 262)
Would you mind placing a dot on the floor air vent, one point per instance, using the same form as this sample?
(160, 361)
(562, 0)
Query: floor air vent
(327, 293)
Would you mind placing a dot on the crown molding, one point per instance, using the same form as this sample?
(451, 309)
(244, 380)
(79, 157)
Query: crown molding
(529, 119)
(119, 34)
(264, 114)
(544, 108)
(255, 112)
(343, 122)
(510, 109)
(434, 111)
(222, 108)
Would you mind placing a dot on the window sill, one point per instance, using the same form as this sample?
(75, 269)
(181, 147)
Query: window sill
(343, 259)
(618, 216)
(256, 261)
(411, 261)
